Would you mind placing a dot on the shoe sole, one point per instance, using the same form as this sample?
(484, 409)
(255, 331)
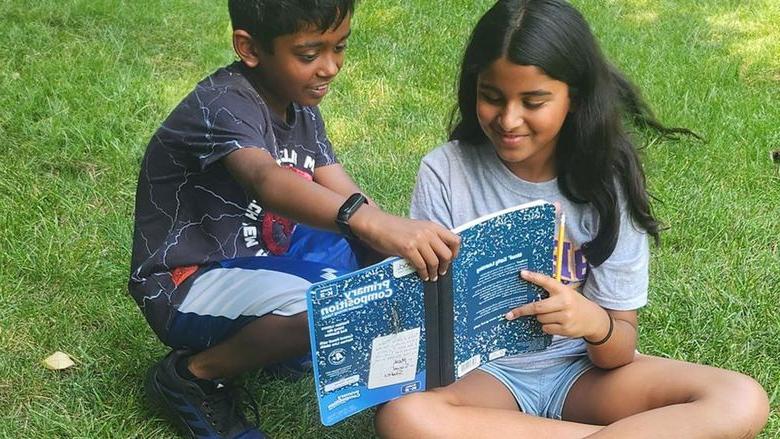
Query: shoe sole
(157, 399)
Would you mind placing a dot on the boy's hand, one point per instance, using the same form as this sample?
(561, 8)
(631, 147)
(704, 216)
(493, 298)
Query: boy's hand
(428, 246)
(566, 312)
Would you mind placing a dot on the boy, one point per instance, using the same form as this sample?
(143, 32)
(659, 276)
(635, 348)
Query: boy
(219, 267)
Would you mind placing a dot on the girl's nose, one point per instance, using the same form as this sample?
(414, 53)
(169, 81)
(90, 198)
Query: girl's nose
(511, 117)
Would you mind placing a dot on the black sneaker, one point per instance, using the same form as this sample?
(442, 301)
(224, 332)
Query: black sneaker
(213, 415)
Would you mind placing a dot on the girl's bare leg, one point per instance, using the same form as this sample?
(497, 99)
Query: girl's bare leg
(660, 398)
(477, 406)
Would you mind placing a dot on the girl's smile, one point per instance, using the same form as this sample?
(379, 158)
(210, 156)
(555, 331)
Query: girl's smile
(510, 139)
(521, 110)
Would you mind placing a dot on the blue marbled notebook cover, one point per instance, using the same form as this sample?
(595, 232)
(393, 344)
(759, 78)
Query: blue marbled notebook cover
(367, 328)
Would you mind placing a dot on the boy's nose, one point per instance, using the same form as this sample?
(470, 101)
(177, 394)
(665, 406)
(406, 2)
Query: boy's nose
(330, 66)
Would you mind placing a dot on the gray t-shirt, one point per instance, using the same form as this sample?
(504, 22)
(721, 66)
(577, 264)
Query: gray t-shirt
(459, 182)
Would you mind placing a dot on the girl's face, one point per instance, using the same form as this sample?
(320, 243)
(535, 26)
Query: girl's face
(521, 110)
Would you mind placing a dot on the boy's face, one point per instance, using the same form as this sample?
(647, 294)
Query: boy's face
(302, 66)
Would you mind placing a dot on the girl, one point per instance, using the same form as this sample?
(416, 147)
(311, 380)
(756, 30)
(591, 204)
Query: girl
(540, 117)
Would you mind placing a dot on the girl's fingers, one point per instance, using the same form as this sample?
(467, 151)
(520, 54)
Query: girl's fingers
(553, 317)
(546, 282)
(553, 329)
(546, 306)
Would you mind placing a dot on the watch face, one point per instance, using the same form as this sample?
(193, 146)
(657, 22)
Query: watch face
(350, 206)
(346, 211)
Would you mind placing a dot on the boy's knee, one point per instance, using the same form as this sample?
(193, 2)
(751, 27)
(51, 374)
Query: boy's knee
(282, 330)
(299, 321)
(413, 415)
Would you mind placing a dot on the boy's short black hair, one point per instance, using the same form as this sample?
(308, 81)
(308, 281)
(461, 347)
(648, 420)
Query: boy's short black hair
(265, 20)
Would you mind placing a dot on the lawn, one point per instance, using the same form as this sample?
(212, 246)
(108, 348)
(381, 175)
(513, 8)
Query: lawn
(84, 83)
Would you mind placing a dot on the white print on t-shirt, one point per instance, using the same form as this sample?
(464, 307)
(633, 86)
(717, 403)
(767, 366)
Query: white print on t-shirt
(249, 231)
(290, 157)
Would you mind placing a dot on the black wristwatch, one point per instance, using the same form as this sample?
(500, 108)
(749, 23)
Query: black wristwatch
(346, 211)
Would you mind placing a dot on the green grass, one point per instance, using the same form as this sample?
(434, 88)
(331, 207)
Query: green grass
(85, 83)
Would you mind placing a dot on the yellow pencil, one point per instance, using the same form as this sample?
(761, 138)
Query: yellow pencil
(559, 248)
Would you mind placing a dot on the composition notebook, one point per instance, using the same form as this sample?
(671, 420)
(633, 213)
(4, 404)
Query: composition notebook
(381, 332)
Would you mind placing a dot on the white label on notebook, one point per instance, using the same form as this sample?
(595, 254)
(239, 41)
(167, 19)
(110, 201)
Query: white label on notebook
(394, 358)
(401, 268)
(348, 381)
(469, 365)
(496, 354)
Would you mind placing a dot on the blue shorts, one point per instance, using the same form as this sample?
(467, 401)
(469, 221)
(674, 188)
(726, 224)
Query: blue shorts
(232, 293)
(541, 390)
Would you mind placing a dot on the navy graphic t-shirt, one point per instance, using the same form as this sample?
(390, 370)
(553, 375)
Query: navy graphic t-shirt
(189, 211)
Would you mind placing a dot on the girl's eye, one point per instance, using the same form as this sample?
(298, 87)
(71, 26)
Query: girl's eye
(533, 105)
(490, 98)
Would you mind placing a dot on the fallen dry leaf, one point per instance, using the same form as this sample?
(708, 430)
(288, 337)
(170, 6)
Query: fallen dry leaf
(58, 361)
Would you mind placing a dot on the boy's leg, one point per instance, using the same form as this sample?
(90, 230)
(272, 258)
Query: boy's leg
(266, 340)
(477, 406)
(273, 290)
(656, 398)
(240, 315)
(228, 319)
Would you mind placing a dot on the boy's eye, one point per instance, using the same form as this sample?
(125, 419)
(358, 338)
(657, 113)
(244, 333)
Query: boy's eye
(341, 47)
(308, 57)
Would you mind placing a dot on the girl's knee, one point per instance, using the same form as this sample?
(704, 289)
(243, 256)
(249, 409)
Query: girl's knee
(414, 415)
(749, 405)
(741, 403)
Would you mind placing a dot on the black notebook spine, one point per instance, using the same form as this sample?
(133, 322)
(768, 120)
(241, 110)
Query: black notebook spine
(446, 331)
(432, 357)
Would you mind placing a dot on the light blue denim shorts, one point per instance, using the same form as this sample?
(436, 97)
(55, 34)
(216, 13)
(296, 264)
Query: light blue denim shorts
(540, 389)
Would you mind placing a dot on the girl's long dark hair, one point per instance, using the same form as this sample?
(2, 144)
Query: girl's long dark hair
(595, 156)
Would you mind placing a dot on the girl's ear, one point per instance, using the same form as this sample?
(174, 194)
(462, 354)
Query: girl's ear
(245, 48)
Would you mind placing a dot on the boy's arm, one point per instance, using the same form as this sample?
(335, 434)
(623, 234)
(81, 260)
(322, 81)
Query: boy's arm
(427, 246)
(335, 178)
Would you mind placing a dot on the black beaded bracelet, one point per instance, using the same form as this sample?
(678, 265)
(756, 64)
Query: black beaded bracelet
(606, 338)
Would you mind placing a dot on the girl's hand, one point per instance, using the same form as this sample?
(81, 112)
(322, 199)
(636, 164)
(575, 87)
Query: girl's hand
(566, 312)
(428, 246)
